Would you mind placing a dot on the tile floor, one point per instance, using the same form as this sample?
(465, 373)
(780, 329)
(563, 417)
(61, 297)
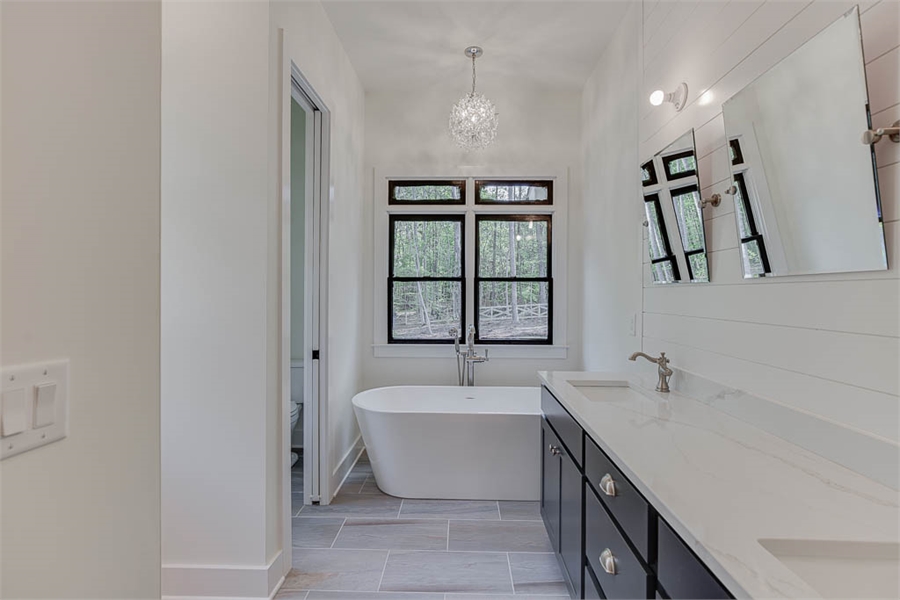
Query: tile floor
(366, 544)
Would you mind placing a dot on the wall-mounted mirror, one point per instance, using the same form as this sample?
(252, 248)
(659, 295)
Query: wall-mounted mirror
(805, 193)
(676, 240)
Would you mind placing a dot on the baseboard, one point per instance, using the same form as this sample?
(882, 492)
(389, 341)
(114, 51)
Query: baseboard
(223, 582)
(340, 473)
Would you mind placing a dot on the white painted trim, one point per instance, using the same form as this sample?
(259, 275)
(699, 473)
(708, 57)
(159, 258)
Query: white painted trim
(447, 351)
(343, 469)
(559, 211)
(227, 582)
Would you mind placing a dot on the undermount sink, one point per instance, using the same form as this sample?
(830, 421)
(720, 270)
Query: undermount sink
(597, 383)
(841, 569)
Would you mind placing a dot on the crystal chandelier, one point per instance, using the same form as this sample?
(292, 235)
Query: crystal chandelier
(473, 120)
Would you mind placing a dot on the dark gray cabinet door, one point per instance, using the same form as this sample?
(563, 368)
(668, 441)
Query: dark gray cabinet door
(550, 488)
(570, 522)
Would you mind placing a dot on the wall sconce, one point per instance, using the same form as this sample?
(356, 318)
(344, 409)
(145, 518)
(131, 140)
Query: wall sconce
(678, 97)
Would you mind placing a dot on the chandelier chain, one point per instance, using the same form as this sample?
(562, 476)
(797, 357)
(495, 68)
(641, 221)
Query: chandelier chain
(473, 73)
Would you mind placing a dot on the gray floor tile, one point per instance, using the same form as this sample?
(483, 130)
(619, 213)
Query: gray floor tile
(499, 536)
(537, 574)
(356, 505)
(520, 511)
(450, 509)
(370, 487)
(501, 597)
(291, 595)
(341, 570)
(393, 534)
(315, 532)
(296, 503)
(465, 572)
(373, 596)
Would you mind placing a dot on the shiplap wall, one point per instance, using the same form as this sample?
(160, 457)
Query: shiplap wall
(825, 344)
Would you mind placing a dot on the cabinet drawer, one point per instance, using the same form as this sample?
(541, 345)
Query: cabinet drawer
(566, 427)
(630, 579)
(681, 574)
(628, 507)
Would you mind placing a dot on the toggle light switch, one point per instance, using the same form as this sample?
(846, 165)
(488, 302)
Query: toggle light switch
(44, 405)
(13, 412)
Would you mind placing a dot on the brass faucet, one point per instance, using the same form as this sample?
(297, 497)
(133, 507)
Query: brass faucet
(664, 371)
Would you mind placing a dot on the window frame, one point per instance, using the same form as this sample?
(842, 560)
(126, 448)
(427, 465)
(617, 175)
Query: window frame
(392, 279)
(673, 192)
(651, 168)
(664, 234)
(548, 279)
(755, 235)
(377, 262)
(738, 154)
(668, 160)
(393, 184)
(480, 183)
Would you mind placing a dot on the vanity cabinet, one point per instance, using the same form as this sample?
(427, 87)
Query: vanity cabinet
(609, 540)
(562, 489)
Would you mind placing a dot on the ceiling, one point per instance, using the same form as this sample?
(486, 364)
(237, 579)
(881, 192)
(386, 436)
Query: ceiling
(404, 45)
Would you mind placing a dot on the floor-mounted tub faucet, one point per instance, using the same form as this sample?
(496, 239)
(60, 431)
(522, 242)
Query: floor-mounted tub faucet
(470, 357)
(664, 371)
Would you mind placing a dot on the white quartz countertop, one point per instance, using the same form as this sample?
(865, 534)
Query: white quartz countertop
(723, 484)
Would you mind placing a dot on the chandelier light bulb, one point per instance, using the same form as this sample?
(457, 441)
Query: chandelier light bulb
(473, 119)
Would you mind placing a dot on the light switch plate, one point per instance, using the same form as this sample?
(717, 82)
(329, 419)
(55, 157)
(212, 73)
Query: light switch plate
(13, 407)
(45, 388)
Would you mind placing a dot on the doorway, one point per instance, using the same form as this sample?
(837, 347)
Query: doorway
(304, 218)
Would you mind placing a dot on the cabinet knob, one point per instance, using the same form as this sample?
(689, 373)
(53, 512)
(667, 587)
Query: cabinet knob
(608, 485)
(554, 450)
(608, 561)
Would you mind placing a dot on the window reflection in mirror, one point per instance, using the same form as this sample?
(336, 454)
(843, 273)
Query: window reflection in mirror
(805, 194)
(673, 209)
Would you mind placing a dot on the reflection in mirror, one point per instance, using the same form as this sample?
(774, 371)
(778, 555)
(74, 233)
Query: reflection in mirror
(674, 212)
(805, 193)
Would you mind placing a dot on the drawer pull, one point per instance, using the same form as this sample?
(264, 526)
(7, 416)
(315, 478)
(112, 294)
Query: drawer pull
(608, 485)
(608, 561)
(554, 450)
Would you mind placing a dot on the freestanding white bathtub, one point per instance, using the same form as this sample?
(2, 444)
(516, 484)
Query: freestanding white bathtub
(460, 443)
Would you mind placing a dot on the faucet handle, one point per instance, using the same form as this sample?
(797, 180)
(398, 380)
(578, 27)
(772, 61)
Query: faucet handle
(486, 355)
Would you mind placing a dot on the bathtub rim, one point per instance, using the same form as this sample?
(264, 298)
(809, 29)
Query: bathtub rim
(537, 410)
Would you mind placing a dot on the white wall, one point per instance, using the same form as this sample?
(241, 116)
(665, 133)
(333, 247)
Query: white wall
(80, 279)
(317, 51)
(223, 498)
(539, 130)
(612, 215)
(215, 101)
(824, 344)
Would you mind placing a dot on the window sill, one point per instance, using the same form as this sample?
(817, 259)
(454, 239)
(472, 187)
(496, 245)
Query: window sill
(500, 351)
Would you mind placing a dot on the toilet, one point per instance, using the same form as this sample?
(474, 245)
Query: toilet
(296, 407)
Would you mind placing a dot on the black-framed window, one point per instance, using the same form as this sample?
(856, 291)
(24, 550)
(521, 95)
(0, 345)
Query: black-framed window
(753, 247)
(663, 264)
(427, 192)
(528, 192)
(680, 165)
(734, 152)
(513, 279)
(648, 174)
(426, 277)
(689, 218)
